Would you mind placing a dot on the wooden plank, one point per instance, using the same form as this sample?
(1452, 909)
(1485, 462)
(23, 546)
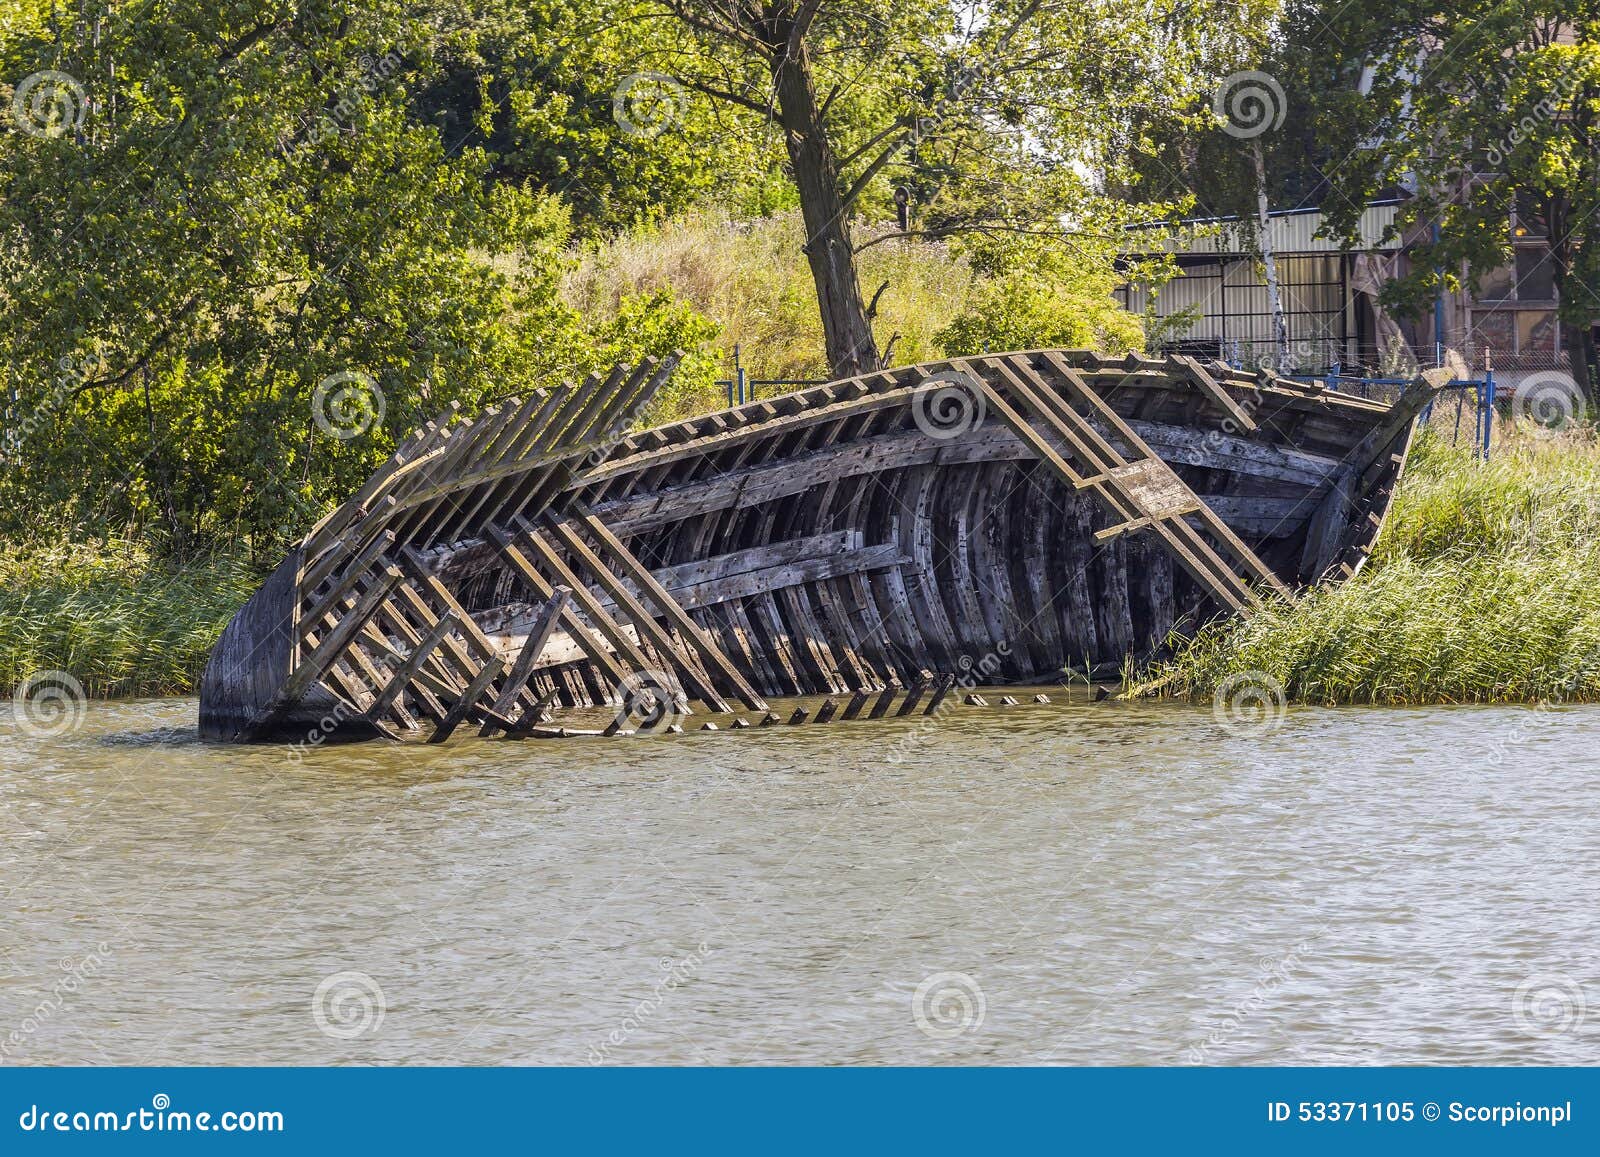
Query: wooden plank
(1203, 564)
(412, 667)
(532, 647)
(1247, 557)
(696, 680)
(323, 656)
(363, 562)
(417, 567)
(608, 627)
(1196, 374)
(574, 626)
(463, 706)
(710, 653)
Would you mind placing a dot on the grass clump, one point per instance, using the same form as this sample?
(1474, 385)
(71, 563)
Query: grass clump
(1481, 590)
(116, 619)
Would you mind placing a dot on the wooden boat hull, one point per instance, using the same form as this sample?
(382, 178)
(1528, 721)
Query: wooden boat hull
(1006, 518)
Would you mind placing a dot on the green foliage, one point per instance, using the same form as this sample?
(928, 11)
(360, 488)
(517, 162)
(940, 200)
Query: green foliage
(539, 88)
(119, 621)
(750, 278)
(1482, 107)
(1043, 296)
(648, 324)
(1481, 590)
(247, 212)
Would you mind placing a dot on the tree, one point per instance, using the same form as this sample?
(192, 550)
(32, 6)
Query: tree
(999, 117)
(1484, 108)
(237, 268)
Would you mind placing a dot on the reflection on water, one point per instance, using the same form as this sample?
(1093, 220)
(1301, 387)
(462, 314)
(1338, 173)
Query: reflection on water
(1062, 884)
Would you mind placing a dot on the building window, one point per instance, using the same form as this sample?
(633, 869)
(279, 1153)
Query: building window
(1535, 274)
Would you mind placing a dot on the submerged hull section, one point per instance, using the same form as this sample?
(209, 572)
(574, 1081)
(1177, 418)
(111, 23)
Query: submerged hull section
(1003, 518)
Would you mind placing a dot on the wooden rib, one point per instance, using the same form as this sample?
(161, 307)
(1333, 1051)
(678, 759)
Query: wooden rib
(575, 628)
(314, 618)
(323, 656)
(710, 654)
(544, 624)
(463, 706)
(695, 679)
(1196, 373)
(1247, 557)
(412, 667)
(609, 628)
(1213, 573)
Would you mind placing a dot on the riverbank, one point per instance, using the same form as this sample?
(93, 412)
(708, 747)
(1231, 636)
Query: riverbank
(1482, 590)
(120, 622)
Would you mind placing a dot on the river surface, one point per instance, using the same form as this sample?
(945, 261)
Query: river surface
(1063, 884)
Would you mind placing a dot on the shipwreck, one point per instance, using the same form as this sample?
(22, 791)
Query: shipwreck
(1001, 519)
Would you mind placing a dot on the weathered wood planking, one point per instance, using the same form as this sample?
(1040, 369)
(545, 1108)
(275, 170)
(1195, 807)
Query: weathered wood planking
(834, 541)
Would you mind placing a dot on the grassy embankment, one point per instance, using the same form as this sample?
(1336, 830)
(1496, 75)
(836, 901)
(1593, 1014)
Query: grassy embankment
(118, 621)
(1482, 589)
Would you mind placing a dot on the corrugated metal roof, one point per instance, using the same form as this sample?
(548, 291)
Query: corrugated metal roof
(1289, 232)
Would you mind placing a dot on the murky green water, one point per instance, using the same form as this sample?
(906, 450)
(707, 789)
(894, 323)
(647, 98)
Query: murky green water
(1087, 885)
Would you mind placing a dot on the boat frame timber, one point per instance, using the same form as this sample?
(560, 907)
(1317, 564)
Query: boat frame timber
(365, 626)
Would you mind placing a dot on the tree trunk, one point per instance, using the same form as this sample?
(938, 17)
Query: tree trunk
(1280, 332)
(845, 325)
(1579, 343)
(1576, 333)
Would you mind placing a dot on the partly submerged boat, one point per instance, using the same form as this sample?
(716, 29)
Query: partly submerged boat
(1005, 517)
